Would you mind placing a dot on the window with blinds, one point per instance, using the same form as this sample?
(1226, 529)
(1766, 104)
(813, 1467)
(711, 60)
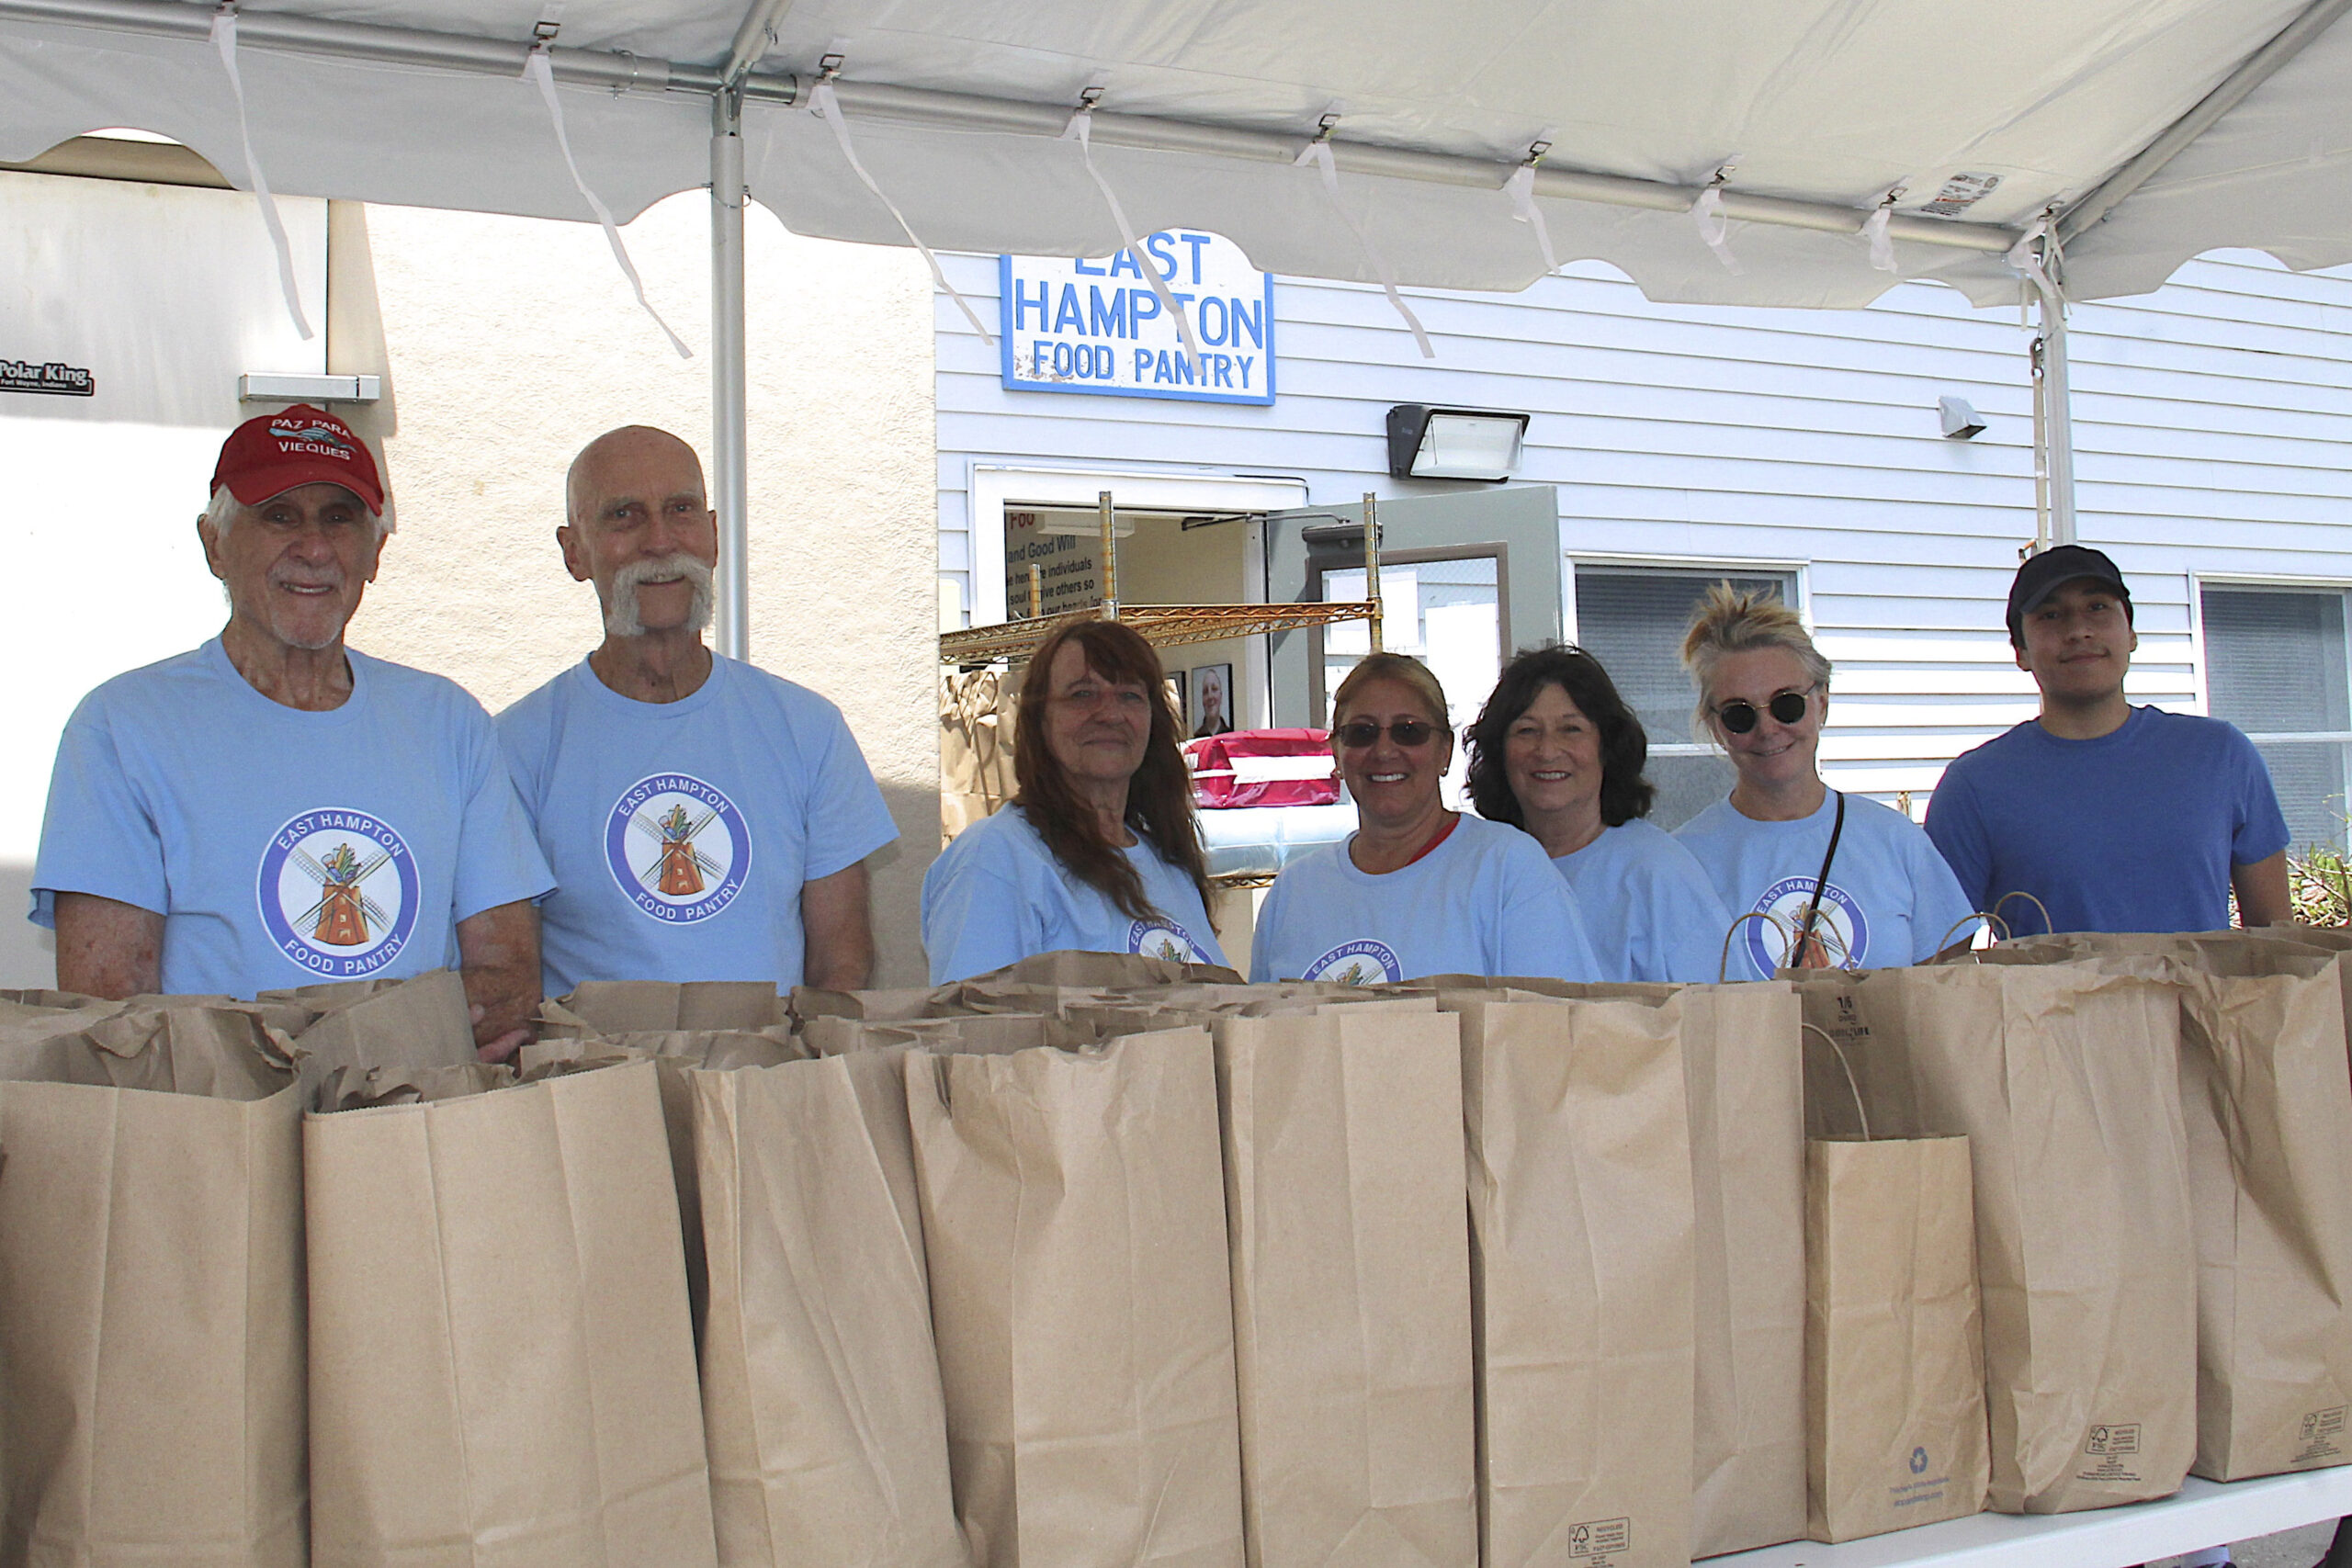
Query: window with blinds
(1633, 620)
(2276, 667)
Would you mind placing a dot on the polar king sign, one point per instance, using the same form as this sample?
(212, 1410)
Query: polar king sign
(1096, 326)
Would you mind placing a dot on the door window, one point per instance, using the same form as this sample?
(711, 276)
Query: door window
(1447, 614)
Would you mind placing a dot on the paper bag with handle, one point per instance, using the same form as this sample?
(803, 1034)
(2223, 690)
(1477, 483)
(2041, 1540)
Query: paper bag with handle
(1073, 1217)
(2064, 1079)
(1894, 1348)
(151, 1293)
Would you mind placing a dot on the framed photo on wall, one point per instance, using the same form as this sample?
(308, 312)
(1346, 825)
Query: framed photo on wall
(1209, 709)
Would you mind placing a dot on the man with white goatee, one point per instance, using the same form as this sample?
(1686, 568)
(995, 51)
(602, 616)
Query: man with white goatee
(706, 819)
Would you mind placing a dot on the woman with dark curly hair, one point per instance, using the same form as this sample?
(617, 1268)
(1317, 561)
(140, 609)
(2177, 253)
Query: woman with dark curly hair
(1556, 751)
(1098, 848)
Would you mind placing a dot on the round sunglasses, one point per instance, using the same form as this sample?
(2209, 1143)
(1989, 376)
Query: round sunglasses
(1739, 715)
(1406, 732)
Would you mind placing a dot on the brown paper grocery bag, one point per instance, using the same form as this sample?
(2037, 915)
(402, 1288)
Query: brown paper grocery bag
(150, 1295)
(502, 1368)
(988, 1034)
(1582, 1280)
(820, 1385)
(2269, 1116)
(401, 1024)
(2065, 1078)
(1099, 970)
(1073, 1217)
(636, 1006)
(2268, 1109)
(1343, 1173)
(1894, 1349)
(1743, 1075)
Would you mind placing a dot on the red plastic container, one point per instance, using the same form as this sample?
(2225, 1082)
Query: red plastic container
(1263, 767)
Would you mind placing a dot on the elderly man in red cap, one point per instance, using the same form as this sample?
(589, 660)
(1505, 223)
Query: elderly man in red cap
(274, 808)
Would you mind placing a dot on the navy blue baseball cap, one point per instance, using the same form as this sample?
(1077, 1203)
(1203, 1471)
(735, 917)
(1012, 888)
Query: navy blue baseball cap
(2043, 575)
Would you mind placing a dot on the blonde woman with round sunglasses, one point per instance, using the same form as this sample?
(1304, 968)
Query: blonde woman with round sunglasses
(1847, 882)
(1417, 890)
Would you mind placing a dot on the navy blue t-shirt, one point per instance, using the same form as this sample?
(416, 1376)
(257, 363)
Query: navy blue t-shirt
(2134, 831)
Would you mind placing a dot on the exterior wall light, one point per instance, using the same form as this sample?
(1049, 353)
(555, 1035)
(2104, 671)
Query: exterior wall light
(1426, 443)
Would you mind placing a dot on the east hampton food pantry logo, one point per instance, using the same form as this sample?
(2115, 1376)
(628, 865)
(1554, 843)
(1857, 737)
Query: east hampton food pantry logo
(678, 847)
(338, 892)
(1097, 325)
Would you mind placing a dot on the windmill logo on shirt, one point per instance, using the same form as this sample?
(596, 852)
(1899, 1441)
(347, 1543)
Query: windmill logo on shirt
(677, 847)
(1840, 937)
(1164, 939)
(338, 892)
(1367, 961)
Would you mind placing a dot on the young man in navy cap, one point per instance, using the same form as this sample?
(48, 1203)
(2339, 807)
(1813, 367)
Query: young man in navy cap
(274, 808)
(2118, 818)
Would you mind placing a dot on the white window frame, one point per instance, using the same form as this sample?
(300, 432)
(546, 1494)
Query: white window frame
(2200, 582)
(1685, 566)
(1682, 744)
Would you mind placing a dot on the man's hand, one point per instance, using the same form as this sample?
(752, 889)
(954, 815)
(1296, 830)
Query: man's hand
(498, 950)
(2261, 888)
(840, 931)
(106, 948)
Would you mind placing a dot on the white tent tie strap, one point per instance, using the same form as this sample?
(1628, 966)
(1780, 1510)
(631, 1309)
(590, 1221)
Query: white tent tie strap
(1715, 227)
(1521, 188)
(224, 39)
(1318, 152)
(1874, 229)
(1081, 129)
(539, 68)
(2032, 255)
(826, 104)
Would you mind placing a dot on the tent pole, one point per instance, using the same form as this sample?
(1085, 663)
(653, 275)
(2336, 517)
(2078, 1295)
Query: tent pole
(2053, 421)
(729, 435)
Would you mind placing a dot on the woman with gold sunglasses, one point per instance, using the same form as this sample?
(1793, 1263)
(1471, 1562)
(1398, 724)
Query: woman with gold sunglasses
(1846, 882)
(1417, 890)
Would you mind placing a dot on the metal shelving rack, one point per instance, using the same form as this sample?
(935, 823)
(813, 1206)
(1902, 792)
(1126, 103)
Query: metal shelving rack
(1164, 626)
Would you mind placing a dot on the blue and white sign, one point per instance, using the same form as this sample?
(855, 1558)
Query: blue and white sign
(1096, 326)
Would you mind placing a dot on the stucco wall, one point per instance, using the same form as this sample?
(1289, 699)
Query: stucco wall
(506, 344)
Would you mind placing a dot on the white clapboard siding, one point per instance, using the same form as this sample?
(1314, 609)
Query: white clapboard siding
(2212, 428)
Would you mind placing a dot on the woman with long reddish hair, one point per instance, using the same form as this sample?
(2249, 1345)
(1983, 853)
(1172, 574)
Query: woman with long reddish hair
(1098, 848)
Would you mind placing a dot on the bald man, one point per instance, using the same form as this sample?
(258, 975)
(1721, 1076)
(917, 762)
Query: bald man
(706, 819)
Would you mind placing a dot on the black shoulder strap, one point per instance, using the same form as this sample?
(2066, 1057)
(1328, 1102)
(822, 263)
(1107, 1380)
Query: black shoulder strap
(1821, 878)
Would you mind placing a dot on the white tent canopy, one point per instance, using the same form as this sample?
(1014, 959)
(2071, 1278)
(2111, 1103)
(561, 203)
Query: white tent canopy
(2143, 131)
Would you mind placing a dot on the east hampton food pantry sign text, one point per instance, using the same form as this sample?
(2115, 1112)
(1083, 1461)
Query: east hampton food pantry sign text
(1096, 326)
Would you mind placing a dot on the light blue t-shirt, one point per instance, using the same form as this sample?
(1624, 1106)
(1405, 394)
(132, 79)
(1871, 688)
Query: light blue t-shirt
(1486, 901)
(997, 894)
(1891, 901)
(681, 833)
(1648, 905)
(2133, 831)
(283, 847)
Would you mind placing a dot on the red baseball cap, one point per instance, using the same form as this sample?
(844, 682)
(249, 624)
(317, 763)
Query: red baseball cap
(271, 454)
